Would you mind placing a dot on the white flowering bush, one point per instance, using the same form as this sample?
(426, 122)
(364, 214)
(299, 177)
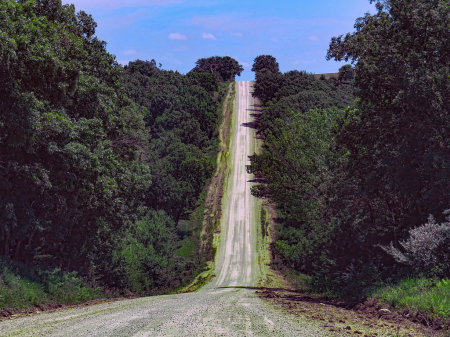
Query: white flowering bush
(427, 249)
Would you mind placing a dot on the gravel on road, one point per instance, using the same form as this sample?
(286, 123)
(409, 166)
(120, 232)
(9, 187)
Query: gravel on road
(227, 306)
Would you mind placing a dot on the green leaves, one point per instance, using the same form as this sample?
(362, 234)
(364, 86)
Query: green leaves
(265, 62)
(70, 142)
(225, 68)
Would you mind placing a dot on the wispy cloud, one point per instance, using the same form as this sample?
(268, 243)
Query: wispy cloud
(123, 62)
(178, 36)
(129, 52)
(113, 4)
(246, 64)
(237, 34)
(313, 38)
(208, 36)
(274, 40)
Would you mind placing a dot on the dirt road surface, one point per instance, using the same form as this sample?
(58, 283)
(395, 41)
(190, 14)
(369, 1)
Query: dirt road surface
(227, 306)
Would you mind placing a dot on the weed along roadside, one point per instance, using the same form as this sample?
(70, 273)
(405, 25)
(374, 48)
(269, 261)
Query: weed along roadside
(212, 212)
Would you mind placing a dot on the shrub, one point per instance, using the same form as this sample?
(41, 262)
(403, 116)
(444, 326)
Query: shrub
(427, 249)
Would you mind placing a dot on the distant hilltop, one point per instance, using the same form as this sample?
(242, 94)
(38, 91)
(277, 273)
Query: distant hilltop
(327, 76)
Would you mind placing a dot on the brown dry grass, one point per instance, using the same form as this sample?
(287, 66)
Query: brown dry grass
(327, 75)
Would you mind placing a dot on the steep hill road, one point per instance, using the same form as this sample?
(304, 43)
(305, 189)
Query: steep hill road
(227, 306)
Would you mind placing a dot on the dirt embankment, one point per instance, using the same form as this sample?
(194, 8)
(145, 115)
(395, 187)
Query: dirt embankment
(364, 318)
(213, 203)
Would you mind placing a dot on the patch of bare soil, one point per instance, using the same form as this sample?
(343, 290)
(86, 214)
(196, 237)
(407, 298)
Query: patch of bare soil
(358, 318)
(213, 203)
(369, 318)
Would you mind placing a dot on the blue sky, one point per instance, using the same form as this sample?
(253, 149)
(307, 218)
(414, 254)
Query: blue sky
(177, 33)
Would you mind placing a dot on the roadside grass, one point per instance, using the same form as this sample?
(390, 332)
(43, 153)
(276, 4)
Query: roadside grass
(418, 295)
(24, 287)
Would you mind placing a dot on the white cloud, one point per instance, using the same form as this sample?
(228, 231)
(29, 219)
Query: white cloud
(208, 36)
(274, 40)
(129, 52)
(313, 38)
(246, 64)
(123, 62)
(237, 34)
(177, 36)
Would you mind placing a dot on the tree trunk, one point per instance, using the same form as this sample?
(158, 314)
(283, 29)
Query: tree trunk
(7, 237)
(16, 253)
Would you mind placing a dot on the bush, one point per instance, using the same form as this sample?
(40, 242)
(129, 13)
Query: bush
(23, 286)
(427, 249)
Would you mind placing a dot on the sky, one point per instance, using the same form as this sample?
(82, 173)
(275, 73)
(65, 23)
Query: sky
(176, 33)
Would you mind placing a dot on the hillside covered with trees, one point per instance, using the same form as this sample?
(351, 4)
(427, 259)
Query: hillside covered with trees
(99, 163)
(357, 166)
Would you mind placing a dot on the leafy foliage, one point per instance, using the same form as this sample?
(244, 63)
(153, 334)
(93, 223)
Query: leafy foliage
(265, 62)
(79, 136)
(380, 168)
(24, 286)
(70, 141)
(181, 113)
(225, 68)
(426, 249)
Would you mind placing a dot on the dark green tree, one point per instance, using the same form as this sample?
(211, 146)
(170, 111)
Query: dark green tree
(225, 68)
(265, 62)
(70, 141)
(346, 73)
(398, 136)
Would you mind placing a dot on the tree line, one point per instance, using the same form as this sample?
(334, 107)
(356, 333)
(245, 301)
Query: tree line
(99, 163)
(357, 164)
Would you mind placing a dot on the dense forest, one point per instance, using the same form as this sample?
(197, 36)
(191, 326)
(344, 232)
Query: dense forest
(101, 165)
(357, 164)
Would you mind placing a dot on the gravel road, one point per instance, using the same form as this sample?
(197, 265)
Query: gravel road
(227, 306)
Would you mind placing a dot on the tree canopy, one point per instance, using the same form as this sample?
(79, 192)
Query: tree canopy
(369, 172)
(71, 143)
(225, 68)
(99, 162)
(265, 62)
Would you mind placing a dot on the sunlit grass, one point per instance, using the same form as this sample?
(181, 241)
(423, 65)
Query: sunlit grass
(419, 294)
(25, 287)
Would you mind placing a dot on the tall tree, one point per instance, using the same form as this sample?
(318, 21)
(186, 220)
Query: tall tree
(70, 141)
(225, 68)
(398, 135)
(265, 62)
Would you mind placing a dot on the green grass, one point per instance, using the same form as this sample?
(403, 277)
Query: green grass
(423, 295)
(189, 248)
(23, 287)
(19, 293)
